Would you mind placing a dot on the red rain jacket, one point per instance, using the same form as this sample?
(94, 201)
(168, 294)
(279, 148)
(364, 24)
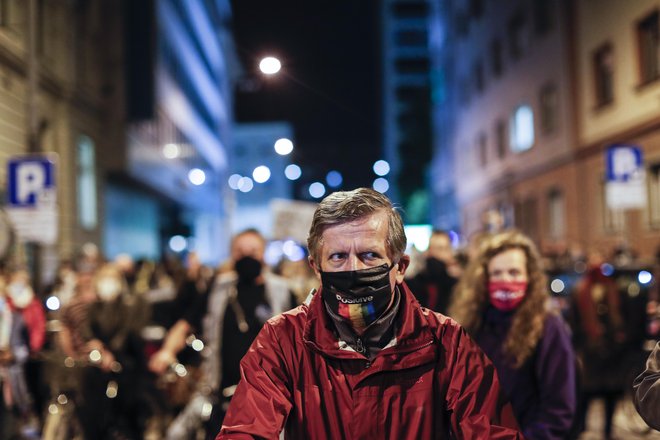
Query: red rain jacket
(432, 382)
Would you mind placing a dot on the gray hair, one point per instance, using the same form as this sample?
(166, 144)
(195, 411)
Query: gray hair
(346, 206)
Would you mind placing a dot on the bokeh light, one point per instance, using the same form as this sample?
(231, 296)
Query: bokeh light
(334, 179)
(178, 243)
(381, 185)
(196, 176)
(233, 180)
(317, 190)
(261, 174)
(245, 184)
(283, 146)
(381, 167)
(171, 151)
(292, 172)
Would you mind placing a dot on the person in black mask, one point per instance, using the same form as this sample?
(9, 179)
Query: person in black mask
(361, 358)
(433, 285)
(228, 317)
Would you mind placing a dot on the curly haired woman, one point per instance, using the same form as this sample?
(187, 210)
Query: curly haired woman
(502, 301)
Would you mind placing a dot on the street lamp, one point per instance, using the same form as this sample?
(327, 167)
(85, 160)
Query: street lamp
(270, 65)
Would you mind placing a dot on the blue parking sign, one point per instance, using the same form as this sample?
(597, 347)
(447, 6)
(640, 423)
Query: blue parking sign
(624, 162)
(30, 181)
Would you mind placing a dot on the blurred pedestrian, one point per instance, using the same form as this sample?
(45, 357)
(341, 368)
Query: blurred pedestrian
(502, 300)
(22, 299)
(15, 399)
(228, 318)
(434, 284)
(601, 339)
(111, 405)
(361, 359)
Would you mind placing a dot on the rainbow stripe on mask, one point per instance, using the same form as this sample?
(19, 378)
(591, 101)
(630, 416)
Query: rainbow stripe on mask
(360, 315)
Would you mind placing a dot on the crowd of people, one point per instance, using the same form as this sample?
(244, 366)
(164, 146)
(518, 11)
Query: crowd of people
(471, 343)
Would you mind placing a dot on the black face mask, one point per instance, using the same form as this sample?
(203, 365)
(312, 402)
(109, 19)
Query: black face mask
(358, 296)
(248, 269)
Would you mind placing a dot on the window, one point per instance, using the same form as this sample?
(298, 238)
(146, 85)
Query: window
(548, 101)
(476, 8)
(543, 19)
(522, 129)
(464, 91)
(13, 16)
(500, 136)
(517, 36)
(654, 195)
(414, 9)
(482, 149)
(462, 24)
(604, 74)
(556, 214)
(411, 38)
(86, 183)
(412, 65)
(479, 80)
(526, 217)
(648, 38)
(496, 61)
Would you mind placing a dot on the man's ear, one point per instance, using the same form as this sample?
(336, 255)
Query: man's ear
(312, 264)
(404, 262)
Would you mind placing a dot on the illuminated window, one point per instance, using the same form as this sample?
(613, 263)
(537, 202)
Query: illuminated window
(522, 129)
(86, 183)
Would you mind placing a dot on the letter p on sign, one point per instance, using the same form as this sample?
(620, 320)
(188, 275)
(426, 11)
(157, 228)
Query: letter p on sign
(30, 180)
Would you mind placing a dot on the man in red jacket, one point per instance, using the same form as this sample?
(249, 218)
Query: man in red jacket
(361, 359)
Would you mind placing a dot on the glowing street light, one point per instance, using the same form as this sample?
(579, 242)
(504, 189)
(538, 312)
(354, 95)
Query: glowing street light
(283, 146)
(270, 65)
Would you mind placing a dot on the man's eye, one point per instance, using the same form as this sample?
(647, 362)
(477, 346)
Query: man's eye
(370, 256)
(337, 257)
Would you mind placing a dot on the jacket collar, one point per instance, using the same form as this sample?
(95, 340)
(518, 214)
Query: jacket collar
(412, 329)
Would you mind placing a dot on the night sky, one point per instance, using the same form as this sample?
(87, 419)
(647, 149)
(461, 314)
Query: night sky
(329, 88)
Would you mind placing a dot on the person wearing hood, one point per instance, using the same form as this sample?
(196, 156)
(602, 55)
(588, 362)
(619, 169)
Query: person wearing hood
(434, 284)
(502, 300)
(360, 358)
(228, 318)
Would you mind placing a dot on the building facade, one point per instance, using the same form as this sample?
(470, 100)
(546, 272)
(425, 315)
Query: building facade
(511, 125)
(406, 111)
(180, 63)
(534, 94)
(73, 109)
(618, 47)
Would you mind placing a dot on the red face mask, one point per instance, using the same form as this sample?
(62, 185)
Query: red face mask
(506, 295)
